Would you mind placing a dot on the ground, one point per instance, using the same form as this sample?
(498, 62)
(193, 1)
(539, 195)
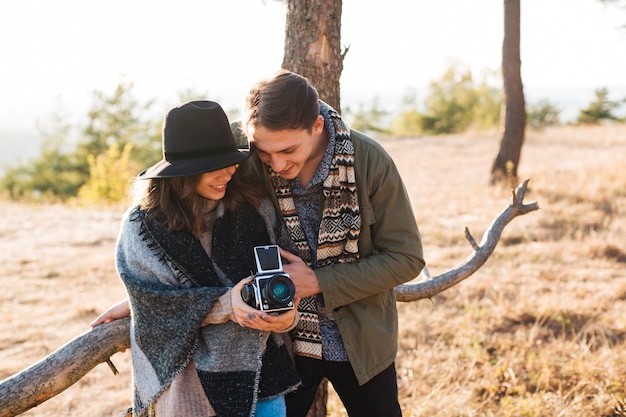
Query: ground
(539, 330)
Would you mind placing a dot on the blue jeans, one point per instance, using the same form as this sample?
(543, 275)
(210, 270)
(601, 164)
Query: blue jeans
(271, 408)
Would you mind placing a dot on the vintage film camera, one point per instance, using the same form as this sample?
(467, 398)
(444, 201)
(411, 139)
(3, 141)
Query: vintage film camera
(271, 290)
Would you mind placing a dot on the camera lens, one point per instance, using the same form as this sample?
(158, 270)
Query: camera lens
(280, 289)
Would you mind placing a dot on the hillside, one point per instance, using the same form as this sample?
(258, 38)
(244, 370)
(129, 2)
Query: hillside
(538, 331)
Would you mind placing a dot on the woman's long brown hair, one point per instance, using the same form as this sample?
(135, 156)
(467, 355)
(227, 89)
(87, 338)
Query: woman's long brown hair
(175, 201)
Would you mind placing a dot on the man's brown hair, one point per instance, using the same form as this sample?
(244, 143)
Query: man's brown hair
(285, 101)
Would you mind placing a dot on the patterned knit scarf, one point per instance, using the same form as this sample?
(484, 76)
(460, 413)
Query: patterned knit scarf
(339, 227)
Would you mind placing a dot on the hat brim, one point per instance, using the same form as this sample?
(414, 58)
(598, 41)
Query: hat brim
(195, 166)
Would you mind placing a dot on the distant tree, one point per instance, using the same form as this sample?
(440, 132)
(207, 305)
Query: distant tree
(370, 119)
(455, 103)
(543, 114)
(448, 103)
(63, 166)
(409, 119)
(53, 175)
(119, 119)
(50, 177)
(599, 109)
(489, 101)
(408, 123)
(513, 118)
(312, 45)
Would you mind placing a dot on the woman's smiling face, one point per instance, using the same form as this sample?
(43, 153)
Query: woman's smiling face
(212, 185)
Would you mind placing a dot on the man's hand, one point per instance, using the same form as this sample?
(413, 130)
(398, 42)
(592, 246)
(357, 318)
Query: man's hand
(302, 276)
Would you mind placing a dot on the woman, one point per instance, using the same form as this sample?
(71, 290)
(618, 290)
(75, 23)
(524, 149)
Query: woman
(197, 348)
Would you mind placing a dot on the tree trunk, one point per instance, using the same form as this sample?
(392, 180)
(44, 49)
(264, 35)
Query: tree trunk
(313, 50)
(62, 368)
(318, 409)
(513, 119)
(312, 45)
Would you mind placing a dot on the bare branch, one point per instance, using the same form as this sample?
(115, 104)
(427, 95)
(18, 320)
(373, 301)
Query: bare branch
(482, 252)
(471, 240)
(62, 368)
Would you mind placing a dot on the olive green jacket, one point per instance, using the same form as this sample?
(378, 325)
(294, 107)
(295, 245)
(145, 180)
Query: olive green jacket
(360, 294)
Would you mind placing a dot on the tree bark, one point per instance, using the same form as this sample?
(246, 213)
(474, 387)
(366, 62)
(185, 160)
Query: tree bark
(62, 368)
(513, 118)
(313, 50)
(318, 409)
(312, 45)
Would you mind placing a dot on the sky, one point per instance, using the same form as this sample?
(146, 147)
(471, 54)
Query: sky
(55, 54)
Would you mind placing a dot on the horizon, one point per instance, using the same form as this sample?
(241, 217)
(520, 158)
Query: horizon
(20, 144)
(568, 99)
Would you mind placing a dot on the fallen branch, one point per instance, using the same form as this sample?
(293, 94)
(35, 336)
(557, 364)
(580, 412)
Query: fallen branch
(482, 252)
(62, 368)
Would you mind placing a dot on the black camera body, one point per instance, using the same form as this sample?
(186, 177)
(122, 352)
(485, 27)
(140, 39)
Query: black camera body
(271, 290)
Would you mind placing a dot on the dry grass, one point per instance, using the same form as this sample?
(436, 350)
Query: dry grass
(538, 331)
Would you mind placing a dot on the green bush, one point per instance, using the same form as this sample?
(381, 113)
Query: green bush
(408, 123)
(543, 114)
(109, 175)
(455, 103)
(115, 124)
(599, 109)
(368, 120)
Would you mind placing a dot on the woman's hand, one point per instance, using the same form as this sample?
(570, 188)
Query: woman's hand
(115, 312)
(248, 316)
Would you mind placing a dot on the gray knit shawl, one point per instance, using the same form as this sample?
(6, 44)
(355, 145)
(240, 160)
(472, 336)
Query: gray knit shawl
(166, 333)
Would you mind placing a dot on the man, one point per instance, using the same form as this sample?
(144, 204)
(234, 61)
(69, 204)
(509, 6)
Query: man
(347, 210)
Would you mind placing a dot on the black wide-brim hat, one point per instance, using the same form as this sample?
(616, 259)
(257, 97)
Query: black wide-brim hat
(196, 139)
